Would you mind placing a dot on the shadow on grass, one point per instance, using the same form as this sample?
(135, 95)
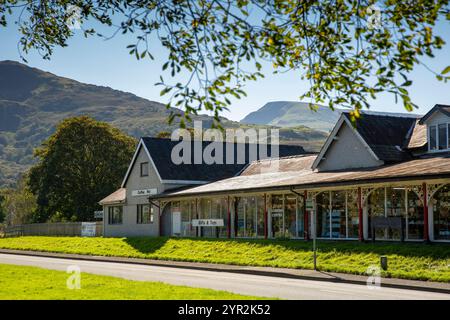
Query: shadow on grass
(146, 245)
(149, 245)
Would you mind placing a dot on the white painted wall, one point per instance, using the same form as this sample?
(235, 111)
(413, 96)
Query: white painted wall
(347, 152)
(130, 227)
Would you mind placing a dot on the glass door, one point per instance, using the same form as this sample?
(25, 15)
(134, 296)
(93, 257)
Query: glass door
(277, 223)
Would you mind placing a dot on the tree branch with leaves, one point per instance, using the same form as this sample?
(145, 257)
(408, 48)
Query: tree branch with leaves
(349, 51)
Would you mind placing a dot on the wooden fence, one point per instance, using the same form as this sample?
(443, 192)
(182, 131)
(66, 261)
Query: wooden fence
(49, 229)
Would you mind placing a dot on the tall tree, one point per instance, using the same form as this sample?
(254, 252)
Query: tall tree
(2, 204)
(349, 50)
(82, 162)
(18, 204)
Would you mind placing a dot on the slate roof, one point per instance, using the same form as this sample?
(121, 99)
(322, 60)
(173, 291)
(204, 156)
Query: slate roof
(386, 134)
(160, 150)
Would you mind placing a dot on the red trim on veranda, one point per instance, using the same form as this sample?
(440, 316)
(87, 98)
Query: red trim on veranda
(305, 217)
(360, 216)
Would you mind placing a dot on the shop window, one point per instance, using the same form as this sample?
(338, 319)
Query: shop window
(396, 207)
(247, 210)
(300, 217)
(115, 215)
(352, 215)
(441, 215)
(187, 214)
(290, 216)
(396, 202)
(219, 210)
(323, 215)
(338, 215)
(414, 218)
(376, 206)
(277, 216)
(261, 207)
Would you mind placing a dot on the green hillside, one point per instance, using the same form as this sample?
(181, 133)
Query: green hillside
(292, 114)
(32, 102)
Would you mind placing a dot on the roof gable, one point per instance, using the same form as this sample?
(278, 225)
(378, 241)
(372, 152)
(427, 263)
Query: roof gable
(383, 135)
(386, 135)
(445, 109)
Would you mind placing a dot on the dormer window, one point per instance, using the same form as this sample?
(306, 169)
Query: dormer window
(439, 137)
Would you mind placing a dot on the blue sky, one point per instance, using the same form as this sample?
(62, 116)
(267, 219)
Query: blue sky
(107, 63)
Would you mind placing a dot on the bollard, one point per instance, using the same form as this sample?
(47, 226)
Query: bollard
(384, 262)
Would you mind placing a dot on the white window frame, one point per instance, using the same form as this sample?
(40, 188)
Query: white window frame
(437, 137)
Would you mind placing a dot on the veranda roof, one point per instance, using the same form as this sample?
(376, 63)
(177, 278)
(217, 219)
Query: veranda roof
(436, 166)
(118, 196)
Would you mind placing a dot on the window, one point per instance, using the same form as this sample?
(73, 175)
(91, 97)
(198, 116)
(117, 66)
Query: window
(144, 169)
(438, 137)
(115, 215)
(441, 213)
(433, 138)
(337, 214)
(442, 129)
(144, 214)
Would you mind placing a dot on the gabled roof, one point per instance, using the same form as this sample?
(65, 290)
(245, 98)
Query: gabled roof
(159, 151)
(386, 134)
(445, 109)
(382, 134)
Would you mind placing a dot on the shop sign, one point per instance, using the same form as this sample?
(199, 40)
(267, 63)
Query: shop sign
(143, 192)
(88, 229)
(98, 214)
(207, 223)
(309, 205)
(277, 213)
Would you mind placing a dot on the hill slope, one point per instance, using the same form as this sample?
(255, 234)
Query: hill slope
(32, 102)
(291, 114)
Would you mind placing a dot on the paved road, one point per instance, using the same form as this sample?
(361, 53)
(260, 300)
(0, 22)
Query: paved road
(239, 283)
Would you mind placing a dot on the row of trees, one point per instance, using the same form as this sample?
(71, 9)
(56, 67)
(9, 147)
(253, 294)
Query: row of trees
(81, 163)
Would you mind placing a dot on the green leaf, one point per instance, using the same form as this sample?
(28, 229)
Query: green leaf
(446, 70)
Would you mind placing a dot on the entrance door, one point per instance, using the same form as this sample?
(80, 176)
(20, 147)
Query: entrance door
(277, 223)
(176, 223)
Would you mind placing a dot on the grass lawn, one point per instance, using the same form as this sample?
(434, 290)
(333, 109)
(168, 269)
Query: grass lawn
(406, 260)
(30, 283)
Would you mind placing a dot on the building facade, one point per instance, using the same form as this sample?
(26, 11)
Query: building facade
(387, 178)
(152, 171)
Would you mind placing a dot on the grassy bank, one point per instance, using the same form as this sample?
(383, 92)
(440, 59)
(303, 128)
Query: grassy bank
(30, 283)
(408, 261)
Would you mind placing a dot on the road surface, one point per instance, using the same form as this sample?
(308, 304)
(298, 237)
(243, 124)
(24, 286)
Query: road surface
(256, 285)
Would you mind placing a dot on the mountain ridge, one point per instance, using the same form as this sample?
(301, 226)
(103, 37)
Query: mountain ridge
(292, 113)
(33, 102)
